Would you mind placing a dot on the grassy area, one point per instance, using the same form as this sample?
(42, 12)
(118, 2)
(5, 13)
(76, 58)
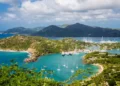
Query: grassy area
(39, 46)
(111, 63)
(110, 46)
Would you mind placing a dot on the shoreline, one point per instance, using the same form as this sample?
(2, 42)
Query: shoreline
(31, 58)
(22, 51)
(7, 50)
(100, 70)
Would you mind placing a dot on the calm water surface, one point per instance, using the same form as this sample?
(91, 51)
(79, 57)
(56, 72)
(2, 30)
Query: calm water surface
(63, 67)
(5, 35)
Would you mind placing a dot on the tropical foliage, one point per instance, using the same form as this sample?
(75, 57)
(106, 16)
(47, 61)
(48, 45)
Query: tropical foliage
(111, 62)
(110, 45)
(19, 76)
(40, 45)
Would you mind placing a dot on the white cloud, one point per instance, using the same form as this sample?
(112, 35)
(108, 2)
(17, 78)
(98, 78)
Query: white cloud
(62, 11)
(37, 7)
(82, 5)
(10, 15)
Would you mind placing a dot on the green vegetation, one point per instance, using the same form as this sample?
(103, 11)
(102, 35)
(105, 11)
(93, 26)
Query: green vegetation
(40, 46)
(111, 63)
(18, 76)
(18, 42)
(15, 75)
(110, 46)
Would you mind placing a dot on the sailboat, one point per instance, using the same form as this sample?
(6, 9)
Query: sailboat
(58, 69)
(72, 71)
(76, 67)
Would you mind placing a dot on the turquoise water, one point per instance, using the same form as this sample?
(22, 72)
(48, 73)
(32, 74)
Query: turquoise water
(5, 35)
(63, 67)
(114, 51)
(6, 57)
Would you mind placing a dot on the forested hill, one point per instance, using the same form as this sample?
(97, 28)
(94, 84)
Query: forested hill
(39, 46)
(22, 30)
(77, 30)
(74, 30)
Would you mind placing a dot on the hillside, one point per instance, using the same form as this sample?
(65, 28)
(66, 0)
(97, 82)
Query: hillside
(22, 30)
(39, 46)
(111, 73)
(74, 30)
(78, 30)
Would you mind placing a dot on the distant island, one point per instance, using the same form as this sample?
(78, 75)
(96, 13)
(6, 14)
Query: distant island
(74, 30)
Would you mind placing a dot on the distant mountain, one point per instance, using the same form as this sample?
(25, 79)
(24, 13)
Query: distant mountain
(52, 30)
(74, 30)
(77, 30)
(22, 30)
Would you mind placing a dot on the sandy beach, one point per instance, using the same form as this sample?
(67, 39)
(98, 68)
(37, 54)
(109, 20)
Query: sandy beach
(13, 51)
(16, 51)
(30, 52)
(101, 68)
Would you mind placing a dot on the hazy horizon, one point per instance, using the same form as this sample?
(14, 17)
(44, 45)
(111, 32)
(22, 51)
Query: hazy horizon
(56, 25)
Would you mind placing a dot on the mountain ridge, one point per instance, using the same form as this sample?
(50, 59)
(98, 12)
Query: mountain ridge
(22, 30)
(78, 30)
(73, 30)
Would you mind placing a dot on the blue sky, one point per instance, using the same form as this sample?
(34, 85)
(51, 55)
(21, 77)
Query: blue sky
(3, 7)
(35, 13)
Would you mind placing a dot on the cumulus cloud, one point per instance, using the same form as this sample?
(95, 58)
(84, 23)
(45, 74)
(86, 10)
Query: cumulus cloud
(34, 11)
(82, 5)
(37, 7)
(9, 17)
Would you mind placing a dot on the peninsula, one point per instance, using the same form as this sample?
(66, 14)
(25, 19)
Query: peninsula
(38, 46)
